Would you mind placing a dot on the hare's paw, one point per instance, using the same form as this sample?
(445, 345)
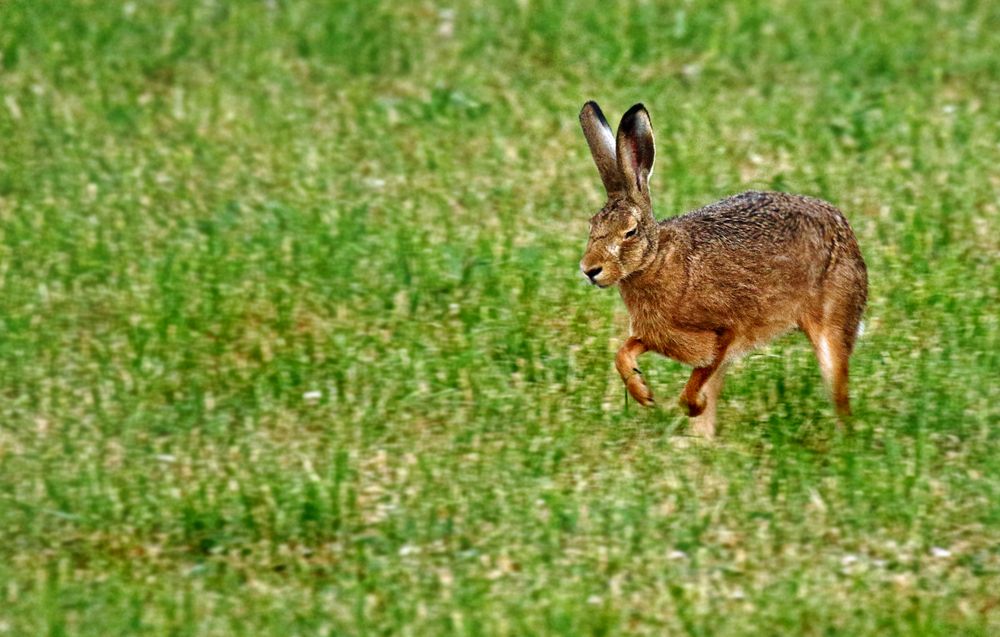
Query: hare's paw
(693, 408)
(638, 389)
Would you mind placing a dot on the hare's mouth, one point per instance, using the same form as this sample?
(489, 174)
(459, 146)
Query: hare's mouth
(595, 274)
(596, 283)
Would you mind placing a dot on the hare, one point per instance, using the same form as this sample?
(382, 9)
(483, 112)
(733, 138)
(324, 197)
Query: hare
(704, 287)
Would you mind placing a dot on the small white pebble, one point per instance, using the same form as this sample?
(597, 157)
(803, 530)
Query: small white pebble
(446, 28)
(676, 555)
(312, 395)
(12, 106)
(937, 551)
(165, 457)
(407, 549)
(848, 559)
(691, 71)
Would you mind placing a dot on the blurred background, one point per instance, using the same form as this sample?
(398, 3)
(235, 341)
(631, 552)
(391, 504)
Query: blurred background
(293, 341)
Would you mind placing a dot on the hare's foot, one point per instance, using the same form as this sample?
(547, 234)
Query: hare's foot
(704, 425)
(638, 389)
(693, 405)
(625, 363)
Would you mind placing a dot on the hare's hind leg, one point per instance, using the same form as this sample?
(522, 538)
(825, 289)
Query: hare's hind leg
(832, 338)
(627, 366)
(834, 322)
(833, 354)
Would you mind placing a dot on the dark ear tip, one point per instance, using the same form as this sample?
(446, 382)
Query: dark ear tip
(635, 110)
(592, 106)
(634, 119)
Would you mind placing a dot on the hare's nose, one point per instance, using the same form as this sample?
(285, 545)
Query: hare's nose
(593, 272)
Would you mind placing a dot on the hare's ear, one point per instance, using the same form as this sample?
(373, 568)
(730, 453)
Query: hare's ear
(636, 151)
(602, 146)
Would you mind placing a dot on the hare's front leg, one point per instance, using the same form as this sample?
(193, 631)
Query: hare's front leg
(704, 423)
(625, 363)
(701, 404)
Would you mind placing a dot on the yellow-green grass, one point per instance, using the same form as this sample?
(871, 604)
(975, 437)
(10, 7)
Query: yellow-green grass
(293, 342)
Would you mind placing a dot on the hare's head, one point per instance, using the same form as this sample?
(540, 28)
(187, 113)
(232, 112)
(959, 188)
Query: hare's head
(623, 235)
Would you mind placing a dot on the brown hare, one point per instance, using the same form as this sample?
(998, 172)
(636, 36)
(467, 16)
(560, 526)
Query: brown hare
(709, 285)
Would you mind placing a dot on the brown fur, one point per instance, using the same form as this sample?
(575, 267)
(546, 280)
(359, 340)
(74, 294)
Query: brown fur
(716, 282)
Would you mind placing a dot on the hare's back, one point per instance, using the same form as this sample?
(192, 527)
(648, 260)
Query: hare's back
(759, 254)
(765, 222)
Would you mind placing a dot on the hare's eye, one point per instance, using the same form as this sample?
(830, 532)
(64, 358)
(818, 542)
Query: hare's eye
(631, 233)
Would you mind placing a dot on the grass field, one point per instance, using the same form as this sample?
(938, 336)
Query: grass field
(293, 341)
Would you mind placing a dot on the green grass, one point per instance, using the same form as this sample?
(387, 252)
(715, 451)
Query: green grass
(293, 342)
